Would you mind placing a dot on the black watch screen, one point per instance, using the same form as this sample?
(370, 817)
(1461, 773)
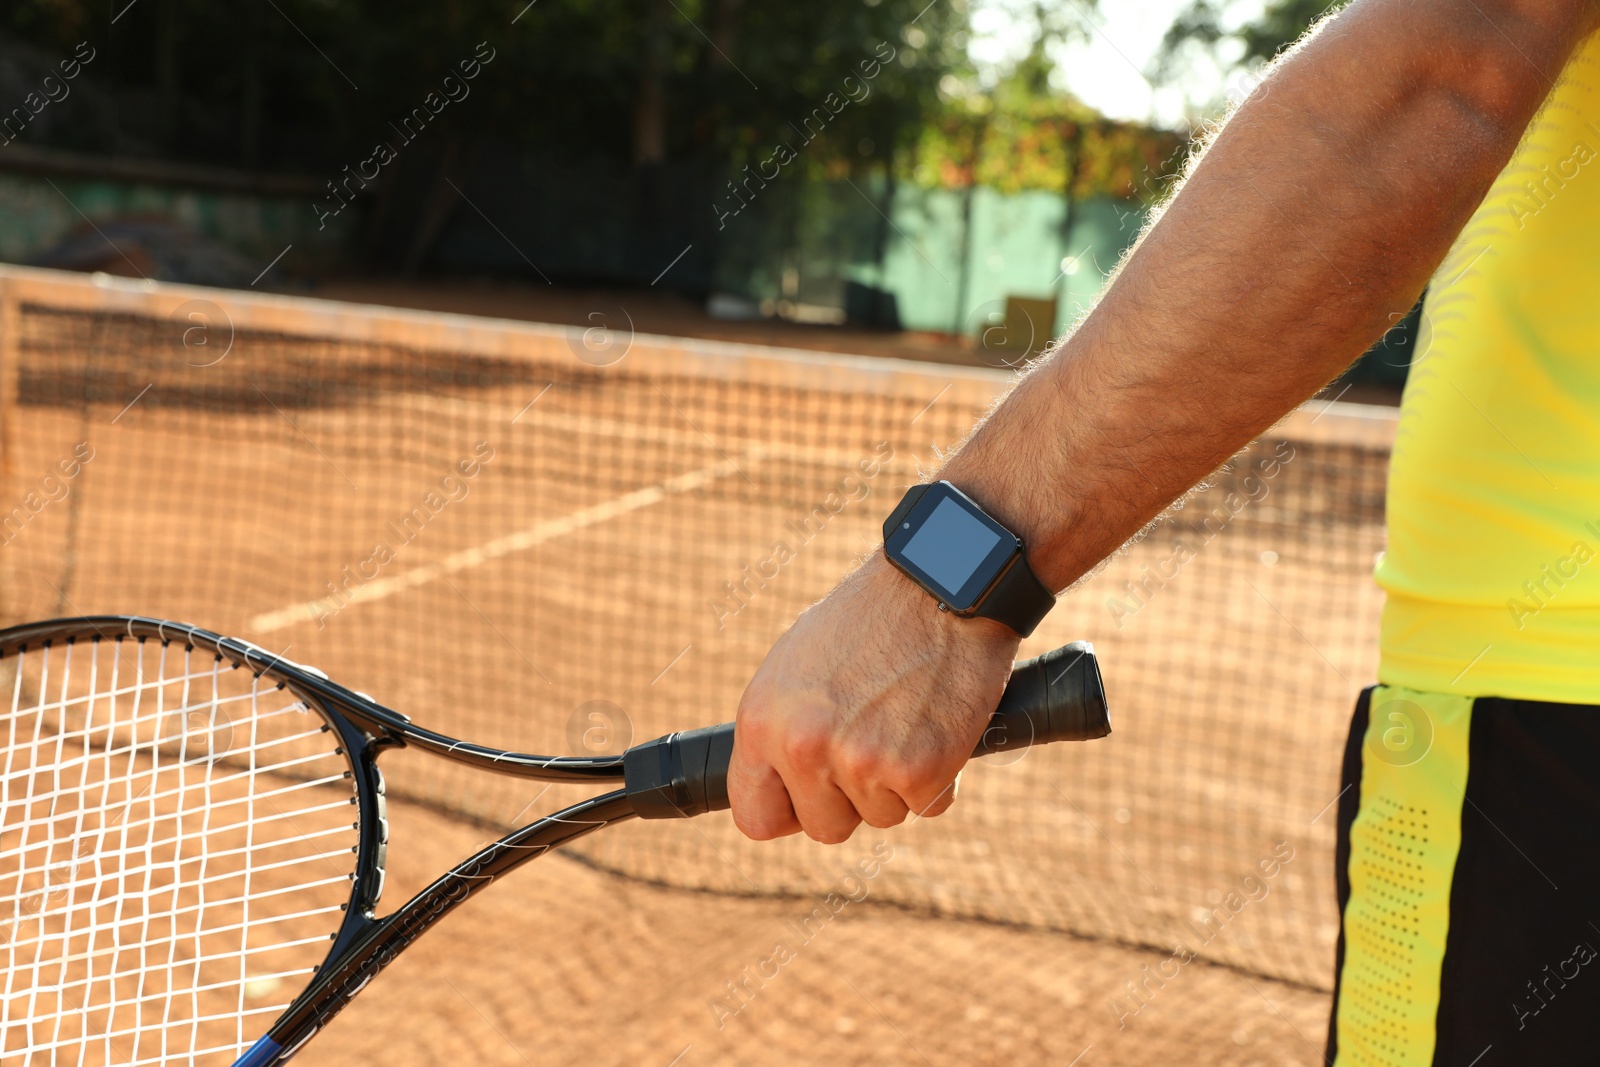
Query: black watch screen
(949, 546)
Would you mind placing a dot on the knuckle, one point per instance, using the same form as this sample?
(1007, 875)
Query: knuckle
(806, 747)
(753, 730)
(918, 775)
(861, 763)
(882, 820)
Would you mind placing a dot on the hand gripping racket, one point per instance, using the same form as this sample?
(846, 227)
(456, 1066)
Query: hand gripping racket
(193, 836)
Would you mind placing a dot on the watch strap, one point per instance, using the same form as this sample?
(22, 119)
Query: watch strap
(1018, 599)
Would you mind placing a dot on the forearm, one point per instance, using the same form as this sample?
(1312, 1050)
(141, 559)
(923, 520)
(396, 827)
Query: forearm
(1320, 211)
(1316, 216)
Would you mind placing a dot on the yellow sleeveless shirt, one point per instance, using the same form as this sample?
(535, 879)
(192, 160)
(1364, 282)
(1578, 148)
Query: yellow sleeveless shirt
(1493, 562)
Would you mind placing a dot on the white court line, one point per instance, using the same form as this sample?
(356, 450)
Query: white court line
(753, 451)
(520, 541)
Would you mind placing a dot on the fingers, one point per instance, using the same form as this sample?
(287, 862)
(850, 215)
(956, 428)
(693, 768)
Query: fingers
(823, 792)
(760, 802)
(829, 810)
(867, 776)
(842, 724)
(798, 781)
(804, 756)
(825, 813)
(880, 808)
(764, 807)
(767, 805)
(797, 794)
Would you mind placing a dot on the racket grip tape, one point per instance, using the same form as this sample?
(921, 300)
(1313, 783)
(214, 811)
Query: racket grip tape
(1058, 696)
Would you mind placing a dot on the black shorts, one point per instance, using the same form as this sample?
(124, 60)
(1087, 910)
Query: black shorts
(1468, 872)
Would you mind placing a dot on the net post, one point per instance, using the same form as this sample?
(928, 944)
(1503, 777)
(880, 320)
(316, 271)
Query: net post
(10, 346)
(10, 371)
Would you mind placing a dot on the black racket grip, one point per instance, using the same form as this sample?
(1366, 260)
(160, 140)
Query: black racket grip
(1058, 696)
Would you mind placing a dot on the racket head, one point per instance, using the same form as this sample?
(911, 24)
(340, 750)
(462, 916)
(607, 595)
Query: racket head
(189, 829)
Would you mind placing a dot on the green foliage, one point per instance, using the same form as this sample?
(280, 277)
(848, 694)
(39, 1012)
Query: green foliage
(1021, 144)
(321, 80)
(1024, 134)
(1281, 25)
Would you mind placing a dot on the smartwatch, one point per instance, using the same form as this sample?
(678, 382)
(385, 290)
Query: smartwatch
(973, 566)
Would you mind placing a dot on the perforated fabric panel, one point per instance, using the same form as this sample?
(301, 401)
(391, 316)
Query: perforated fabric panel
(1403, 849)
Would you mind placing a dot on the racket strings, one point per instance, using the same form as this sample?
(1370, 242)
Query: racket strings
(176, 848)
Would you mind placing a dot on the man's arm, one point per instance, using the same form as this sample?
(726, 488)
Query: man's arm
(1318, 213)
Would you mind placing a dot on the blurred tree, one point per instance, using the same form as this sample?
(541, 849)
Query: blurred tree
(1026, 132)
(1255, 42)
(304, 83)
(667, 91)
(651, 104)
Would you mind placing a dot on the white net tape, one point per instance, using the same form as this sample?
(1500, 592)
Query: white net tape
(177, 842)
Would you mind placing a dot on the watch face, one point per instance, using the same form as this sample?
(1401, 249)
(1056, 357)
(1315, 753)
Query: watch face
(951, 547)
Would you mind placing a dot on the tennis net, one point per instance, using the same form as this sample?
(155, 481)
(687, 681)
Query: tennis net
(562, 541)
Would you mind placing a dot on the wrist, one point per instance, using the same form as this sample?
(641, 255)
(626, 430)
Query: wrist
(1023, 475)
(907, 602)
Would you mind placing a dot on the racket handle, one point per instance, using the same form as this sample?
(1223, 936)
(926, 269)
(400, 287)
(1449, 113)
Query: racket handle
(1054, 697)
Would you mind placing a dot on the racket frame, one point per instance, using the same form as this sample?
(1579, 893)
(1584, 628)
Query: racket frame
(1045, 701)
(364, 944)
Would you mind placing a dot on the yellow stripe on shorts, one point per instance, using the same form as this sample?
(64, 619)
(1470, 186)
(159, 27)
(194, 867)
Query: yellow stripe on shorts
(1403, 848)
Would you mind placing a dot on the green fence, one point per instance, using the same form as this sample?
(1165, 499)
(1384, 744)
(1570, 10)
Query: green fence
(37, 211)
(949, 257)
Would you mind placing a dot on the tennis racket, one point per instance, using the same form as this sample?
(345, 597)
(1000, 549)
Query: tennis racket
(192, 824)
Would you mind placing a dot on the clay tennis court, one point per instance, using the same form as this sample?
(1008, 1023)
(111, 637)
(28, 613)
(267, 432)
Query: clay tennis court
(611, 570)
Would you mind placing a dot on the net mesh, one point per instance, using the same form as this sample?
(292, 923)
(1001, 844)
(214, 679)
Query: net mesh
(521, 543)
